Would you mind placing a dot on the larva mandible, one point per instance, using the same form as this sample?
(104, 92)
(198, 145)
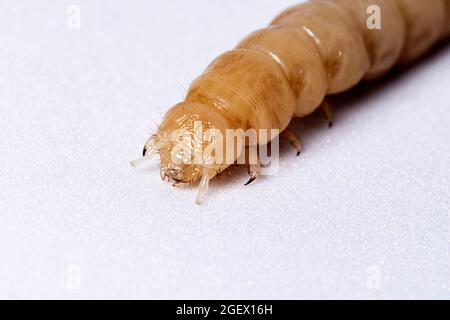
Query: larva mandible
(314, 49)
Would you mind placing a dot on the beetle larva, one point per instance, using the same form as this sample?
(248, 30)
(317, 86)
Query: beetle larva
(315, 49)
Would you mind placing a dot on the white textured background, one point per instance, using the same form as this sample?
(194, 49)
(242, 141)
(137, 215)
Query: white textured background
(367, 200)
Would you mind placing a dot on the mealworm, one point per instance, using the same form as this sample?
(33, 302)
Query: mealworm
(311, 50)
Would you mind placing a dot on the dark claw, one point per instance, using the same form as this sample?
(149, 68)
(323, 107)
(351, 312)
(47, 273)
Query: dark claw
(250, 181)
(330, 125)
(298, 153)
(144, 152)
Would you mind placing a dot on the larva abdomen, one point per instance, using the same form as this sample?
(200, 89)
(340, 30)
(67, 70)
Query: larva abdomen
(322, 47)
(311, 50)
(302, 64)
(425, 24)
(384, 45)
(249, 87)
(338, 39)
(446, 32)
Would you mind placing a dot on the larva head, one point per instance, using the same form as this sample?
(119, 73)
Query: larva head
(188, 143)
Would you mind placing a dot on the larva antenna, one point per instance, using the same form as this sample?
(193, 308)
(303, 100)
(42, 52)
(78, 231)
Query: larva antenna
(148, 153)
(203, 187)
(138, 162)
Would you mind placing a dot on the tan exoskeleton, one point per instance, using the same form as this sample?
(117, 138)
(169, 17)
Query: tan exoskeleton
(286, 70)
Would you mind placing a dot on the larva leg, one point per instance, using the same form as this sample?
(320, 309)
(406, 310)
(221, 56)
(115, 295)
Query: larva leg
(327, 110)
(254, 170)
(293, 138)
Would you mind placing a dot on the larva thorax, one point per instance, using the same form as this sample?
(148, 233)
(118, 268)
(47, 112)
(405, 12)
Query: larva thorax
(286, 70)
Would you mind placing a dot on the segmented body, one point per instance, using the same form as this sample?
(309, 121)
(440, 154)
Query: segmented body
(313, 50)
(309, 51)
